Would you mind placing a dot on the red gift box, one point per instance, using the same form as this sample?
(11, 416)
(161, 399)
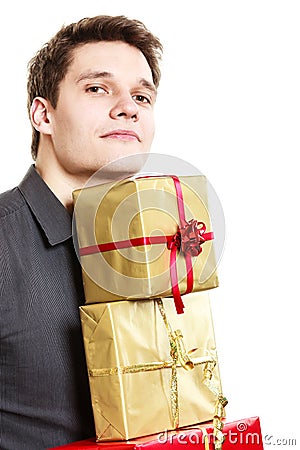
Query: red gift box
(241, 434)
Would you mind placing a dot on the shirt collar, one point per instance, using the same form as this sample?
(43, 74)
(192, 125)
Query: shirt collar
(51, 214)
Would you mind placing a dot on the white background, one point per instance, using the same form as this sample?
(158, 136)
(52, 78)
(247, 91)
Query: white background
(229, 103)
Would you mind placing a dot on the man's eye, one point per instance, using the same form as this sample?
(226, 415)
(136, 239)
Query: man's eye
(141, 99)
(96, 90)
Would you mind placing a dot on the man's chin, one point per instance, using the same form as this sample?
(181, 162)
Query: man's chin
(118, 169)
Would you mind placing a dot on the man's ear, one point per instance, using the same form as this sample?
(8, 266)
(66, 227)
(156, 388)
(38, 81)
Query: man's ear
(39, 115)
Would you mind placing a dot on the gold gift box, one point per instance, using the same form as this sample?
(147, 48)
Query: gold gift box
(149, 368)
(135, 208)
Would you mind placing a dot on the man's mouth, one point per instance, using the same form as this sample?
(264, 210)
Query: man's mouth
(123, 135)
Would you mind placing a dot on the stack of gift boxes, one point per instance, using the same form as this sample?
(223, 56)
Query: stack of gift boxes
(146, 247)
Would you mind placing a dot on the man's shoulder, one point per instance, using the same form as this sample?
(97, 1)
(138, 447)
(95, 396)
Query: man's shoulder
(10, 202)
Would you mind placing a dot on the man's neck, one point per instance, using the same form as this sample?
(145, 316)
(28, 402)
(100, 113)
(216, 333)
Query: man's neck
(61, 183)
(60, 186)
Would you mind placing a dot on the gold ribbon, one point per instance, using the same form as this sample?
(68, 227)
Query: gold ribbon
(144, 367)
(148, 367)
(205, 438)
(222, 401)
(179, 355)
(179, 358)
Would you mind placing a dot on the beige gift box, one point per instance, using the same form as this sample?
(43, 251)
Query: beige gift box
(122, 213)
(147, 365)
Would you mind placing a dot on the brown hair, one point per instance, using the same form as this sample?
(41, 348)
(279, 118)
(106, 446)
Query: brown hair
(49, 66)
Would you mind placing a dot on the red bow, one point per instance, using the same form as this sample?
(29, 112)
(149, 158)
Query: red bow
(191, 237)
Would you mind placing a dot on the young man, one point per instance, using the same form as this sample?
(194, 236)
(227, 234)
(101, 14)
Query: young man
(91, 92)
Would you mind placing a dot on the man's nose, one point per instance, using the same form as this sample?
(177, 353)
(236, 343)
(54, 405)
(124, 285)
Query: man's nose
(125, 107)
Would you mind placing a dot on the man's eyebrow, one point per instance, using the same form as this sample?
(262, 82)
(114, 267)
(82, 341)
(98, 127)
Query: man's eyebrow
(93, 75)
(147, 84)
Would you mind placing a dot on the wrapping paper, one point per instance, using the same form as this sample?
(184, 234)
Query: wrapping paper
(244, 434)
(126, 211)
(136, 389)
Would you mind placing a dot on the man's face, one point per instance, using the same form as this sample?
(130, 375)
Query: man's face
(105, 108)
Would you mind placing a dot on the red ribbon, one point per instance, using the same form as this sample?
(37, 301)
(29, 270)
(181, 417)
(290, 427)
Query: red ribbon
(189, 238)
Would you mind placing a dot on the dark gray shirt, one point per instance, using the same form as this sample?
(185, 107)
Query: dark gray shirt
(44, 393)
